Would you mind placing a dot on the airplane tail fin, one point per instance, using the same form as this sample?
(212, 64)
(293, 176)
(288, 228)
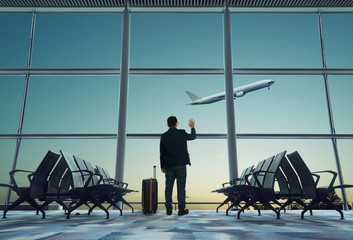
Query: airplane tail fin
(192, 96)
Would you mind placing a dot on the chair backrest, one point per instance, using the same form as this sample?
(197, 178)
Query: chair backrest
(269, 179)
(257, 168)
(291, 178)
(304, 174)
(82, 166)
(241, 180)
(261, 177)
(66, 182)
(282, 183)
(77, 181)
(56, 176)
(236, 182)
(101, 172)
(106, 173)
(91, 169)
(39, 184)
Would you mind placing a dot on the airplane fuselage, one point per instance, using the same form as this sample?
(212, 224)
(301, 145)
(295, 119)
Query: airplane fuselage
(237, 92)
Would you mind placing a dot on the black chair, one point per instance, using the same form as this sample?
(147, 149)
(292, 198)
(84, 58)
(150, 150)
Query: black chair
(121, 188)
(309, 189)
(264, 191)
(289, 184)
(105, 192)
(229, 189)
(80, 189)
(58, 186)
(38, 184)
(242, 192)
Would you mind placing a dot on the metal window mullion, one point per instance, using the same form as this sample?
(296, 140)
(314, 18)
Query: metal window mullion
(228, 81)
(123, 96)
(329, 106)
(24, 102)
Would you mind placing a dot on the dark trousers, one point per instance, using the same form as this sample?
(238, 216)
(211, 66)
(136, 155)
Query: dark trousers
(178, 173)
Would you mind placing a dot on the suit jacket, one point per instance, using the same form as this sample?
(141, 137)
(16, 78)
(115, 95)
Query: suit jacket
(173, 147)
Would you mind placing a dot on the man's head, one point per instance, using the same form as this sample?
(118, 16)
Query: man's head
(172, 122)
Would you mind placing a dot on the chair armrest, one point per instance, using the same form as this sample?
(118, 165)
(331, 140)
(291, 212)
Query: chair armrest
(223, 184)
(113, 181)
(257, 173)
(12, 175)
(6, 185)
(30, 177)
(317, 178)
(246, 178)
(90, 176)
(100, 177)
(235, 179)
(334, 175)
(343, 186)
(124, 183)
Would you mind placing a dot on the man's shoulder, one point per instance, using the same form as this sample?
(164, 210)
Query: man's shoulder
(168, 132)
(173, 132)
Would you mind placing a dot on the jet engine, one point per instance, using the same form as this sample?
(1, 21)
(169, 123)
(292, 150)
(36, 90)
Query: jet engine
(239, 94)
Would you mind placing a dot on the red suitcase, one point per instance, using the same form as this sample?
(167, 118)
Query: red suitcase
(150, 194)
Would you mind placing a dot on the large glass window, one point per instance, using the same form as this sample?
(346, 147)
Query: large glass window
(15, 31)
(176, 40)
(209, 168)
(294, 104)
(338, 39)
(345, 152)
(72, 104)
(7, 151)
(209, 163)
(11, 94)
(153, 99)
(65, 104)
(275, 41)
(77, 41)
(341, 95)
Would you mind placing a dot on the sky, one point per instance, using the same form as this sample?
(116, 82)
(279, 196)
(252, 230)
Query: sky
(89, 104)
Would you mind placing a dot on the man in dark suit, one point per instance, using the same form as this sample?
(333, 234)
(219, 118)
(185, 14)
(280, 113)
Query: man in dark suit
(174, 157)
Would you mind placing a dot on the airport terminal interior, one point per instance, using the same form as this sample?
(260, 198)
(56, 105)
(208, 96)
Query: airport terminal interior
(98, 79)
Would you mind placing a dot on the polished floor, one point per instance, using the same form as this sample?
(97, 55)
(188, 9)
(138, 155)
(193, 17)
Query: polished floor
(198, 224)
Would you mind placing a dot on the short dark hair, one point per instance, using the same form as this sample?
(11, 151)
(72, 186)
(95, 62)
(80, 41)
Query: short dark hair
(172, 121)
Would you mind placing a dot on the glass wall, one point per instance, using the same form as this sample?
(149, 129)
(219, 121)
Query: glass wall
(338, 39)
(345, 151)
(340, 93)
(15, 31)
(294, 104)
(279, 40)
(181, 40)
(208, 161)
(72, 104)
(11, 94)
(7, 152)
(152, 99)
(77, 41)
(62, 101)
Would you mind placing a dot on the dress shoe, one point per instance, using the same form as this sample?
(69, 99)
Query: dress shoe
(169, 212)
(183, 212)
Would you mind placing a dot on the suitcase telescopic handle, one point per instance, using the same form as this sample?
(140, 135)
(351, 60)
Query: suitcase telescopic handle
(154, 172)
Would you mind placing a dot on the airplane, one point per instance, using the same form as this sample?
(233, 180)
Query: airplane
(238, 92)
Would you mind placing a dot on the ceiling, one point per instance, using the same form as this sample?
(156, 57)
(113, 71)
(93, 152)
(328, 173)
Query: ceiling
(178, 3)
